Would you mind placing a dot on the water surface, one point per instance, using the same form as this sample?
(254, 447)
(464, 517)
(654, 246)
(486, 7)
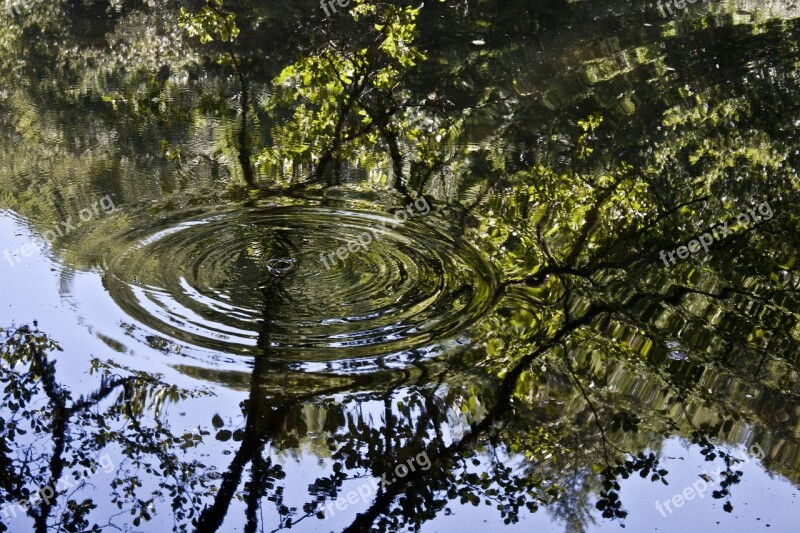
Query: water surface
(288, 261)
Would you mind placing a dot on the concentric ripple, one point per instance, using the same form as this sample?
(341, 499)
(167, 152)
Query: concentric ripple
(270, 281)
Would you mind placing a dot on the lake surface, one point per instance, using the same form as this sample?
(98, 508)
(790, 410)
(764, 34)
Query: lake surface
(465, 266)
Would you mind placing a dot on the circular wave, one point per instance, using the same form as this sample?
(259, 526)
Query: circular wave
(302, 284)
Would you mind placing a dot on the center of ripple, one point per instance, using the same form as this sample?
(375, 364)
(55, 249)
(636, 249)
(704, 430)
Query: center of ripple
(263, 281)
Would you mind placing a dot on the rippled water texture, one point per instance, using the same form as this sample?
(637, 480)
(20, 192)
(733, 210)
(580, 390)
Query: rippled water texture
(256, 282)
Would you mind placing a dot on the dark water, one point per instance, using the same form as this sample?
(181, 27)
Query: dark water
(400, 270)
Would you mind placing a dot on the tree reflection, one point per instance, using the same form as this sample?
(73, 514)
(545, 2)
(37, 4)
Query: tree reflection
(570, 188)
(50, 438)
